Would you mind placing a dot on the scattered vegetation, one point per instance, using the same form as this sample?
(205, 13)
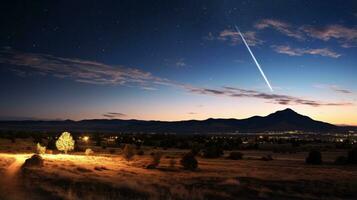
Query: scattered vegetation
(212, 151)
(140, 152)
(112, 151)
(41, 149)
(83, 170)
(100, 168)
(235, 155)
(89, 152)
(189, 162)
(341, 160)
(172, 163)
(128, 152)
(267, 157)
(352, 156)
(196, 148)
(156, 158)
(314, 158)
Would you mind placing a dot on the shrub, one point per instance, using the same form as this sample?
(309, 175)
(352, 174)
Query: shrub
(78, 148)
(235, 155)
(41, 149)
(189, 162)
(172, 163)
(49, 151)
(51, 144)
(65, 142)
(128, 152)
(352, 156)
(35, 161)
(89, 152)
(156, 158)
(314, 158)
(212, 152)
(140, 152)
(112, 151)
(267, 157)
(341, 160)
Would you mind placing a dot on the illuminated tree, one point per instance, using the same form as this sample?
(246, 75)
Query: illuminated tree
(65, 142)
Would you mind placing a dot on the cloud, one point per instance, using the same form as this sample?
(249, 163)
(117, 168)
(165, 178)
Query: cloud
(270, 97)
(281, 26)
(283, 49)
(334, 88)
(345, 35)
(91, 72)
(79, 70)
(331, 31)
(191, 113)
(233, 38)
(113, 115)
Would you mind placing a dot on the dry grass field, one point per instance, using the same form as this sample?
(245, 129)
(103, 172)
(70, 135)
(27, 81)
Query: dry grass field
(109, 176)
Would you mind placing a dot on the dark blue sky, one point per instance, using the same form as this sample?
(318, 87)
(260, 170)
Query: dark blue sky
(172, 60)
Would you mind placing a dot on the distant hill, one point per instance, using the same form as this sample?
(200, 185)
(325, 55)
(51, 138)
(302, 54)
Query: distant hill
(284, 120)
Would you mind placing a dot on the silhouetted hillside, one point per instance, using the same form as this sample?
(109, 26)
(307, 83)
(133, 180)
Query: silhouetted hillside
(283, 120)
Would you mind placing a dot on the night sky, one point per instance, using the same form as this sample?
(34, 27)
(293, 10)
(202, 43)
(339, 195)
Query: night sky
(177, 60)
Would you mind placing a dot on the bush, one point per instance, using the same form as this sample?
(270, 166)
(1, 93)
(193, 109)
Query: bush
(341, 160)
(89, 152)
(140, 152)
(235, 155)
(314, 158)
(172, 163)
(112, 151)
(41, 149)
(189, 162)
(35, 161)
(267, 157)
(352, 156)
(195, 148)
(78, 148)
(128, 152)
(212, 152)
(156, 158)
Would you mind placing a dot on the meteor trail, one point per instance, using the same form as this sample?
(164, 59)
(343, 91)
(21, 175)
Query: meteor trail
(255, 60)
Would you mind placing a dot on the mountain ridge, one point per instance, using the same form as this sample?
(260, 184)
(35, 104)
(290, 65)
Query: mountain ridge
(281, 120)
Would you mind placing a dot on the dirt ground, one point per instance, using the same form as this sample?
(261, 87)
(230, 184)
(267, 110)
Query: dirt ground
(109, 176)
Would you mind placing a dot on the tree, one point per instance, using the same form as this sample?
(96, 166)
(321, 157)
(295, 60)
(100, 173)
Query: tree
(156, 158)
(314, 158)
(128, 152)
(189, 161)
(65, 142)
(352, 156)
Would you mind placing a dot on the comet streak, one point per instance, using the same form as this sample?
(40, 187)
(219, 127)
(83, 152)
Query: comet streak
(255, 60)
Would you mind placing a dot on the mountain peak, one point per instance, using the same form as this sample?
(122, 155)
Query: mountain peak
(286, 113)
(287, 110)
